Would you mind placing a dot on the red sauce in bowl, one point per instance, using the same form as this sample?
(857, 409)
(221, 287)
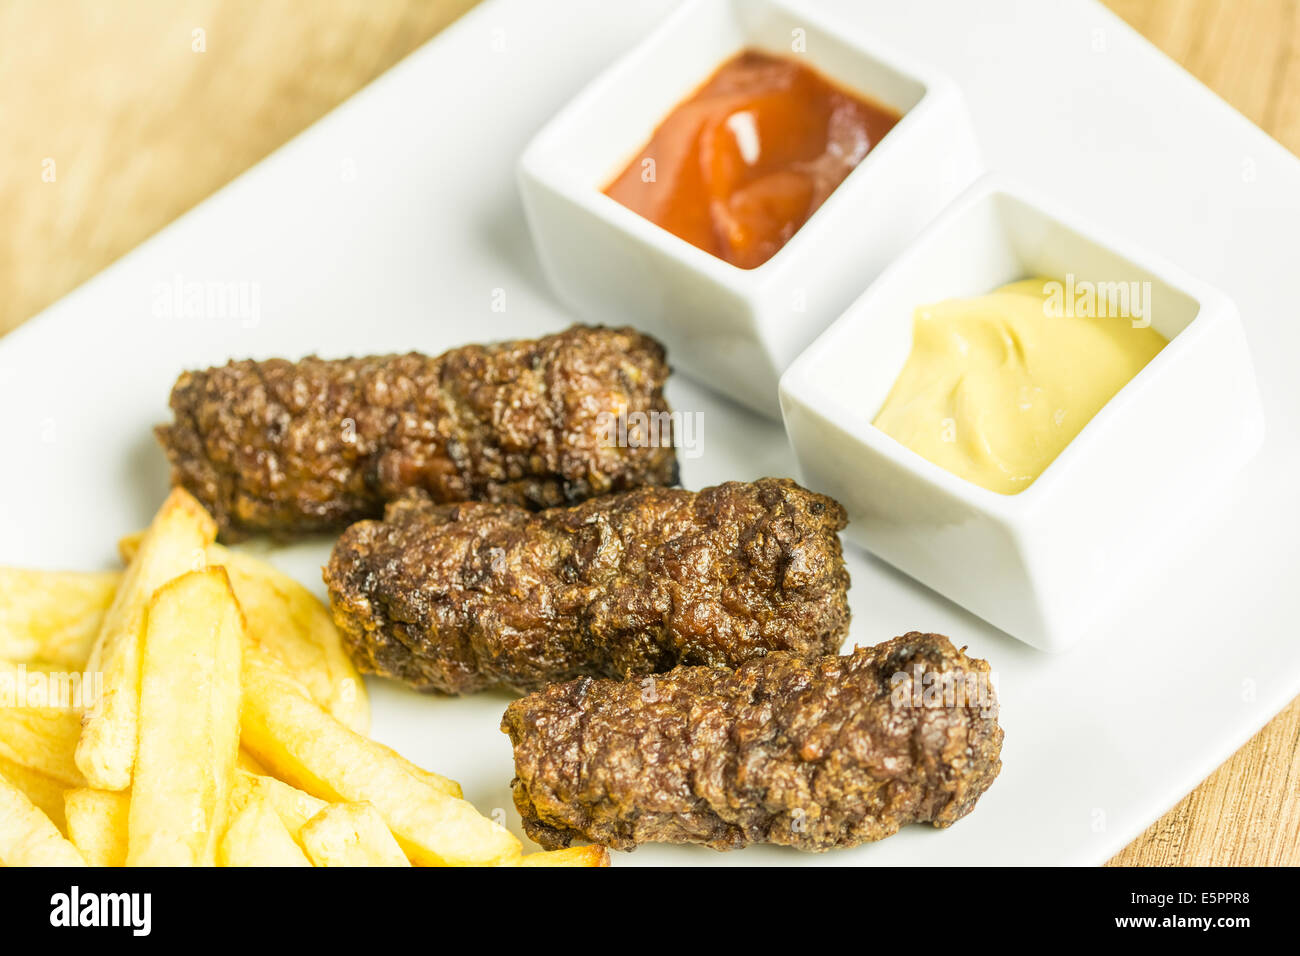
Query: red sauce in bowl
(738, 167)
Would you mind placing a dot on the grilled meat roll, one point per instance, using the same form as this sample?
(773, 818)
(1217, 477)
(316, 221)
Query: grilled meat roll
(314, 445)
(814, 754)
(458, 598)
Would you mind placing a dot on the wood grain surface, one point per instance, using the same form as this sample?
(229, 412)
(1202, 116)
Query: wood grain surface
(117, 117)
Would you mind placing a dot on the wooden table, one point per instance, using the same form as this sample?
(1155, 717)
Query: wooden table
(118, 117)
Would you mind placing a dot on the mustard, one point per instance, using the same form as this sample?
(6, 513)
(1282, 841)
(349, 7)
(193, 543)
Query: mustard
(996, 386)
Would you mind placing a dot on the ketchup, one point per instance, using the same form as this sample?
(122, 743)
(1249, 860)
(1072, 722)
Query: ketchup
(739, 166)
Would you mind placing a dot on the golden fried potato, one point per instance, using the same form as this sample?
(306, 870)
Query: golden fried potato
(258, 837)
(98, 824)
(289, 620)
(129, 545)
(33, 735)
(43, 740)
(294, 625)
(351, 834)
(45, 792)
(572, 856)
(175, 542)
(27, 836)
(302, 744)
(246, 762)
(189, 721)
(293, 806)
(53, 616)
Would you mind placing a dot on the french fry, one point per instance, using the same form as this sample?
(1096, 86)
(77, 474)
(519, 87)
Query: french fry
(571, 856)
(293, 806)
(36, 736)
(128, 546)
(246, 762)
(45, 792)
(351, 834)
(43, 740)
(289, 620)
(257, 837)
(272, 673)
(303, 745)
(189, 721)
(27, 836)
(53, 616)
(174, 543)
(98, 824)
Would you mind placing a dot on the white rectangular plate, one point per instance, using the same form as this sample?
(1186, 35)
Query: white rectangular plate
(394, 224)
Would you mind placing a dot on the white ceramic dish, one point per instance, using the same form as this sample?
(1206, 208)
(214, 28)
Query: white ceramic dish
(395, 224)
(1044, 564)
(738, 329)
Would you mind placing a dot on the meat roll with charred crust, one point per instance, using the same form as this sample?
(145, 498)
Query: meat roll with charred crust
(458, 598)
(814, 754)
(314, 445)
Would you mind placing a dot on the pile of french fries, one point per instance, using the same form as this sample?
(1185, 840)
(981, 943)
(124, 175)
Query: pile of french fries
(228, 727)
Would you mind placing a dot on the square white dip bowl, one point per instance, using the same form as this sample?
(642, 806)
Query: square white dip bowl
(1043, 564)
(737, 329)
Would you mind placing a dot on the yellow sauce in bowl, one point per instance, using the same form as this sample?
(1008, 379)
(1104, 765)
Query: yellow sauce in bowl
(996, 386)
